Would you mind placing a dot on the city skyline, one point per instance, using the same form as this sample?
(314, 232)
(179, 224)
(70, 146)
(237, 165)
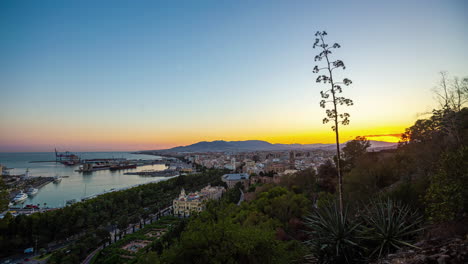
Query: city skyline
(108, 76)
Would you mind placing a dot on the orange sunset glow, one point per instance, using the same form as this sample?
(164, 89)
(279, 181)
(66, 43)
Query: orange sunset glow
(157, 81)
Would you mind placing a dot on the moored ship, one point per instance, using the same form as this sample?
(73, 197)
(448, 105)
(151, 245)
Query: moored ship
(20, 197)
(91, 167)
(123, 167)
(57, 179)
(32, 191)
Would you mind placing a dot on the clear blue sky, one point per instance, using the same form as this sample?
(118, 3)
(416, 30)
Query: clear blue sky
(91, 75)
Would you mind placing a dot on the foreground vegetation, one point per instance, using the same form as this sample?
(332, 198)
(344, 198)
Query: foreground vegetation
(393, 199)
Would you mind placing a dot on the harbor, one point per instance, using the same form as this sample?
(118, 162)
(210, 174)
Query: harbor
(89, 165)
(57, 183)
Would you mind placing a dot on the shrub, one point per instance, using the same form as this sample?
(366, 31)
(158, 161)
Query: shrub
(324, 198)
(382, 227)
(333, 239)
(409, 192)
(447, 196)
(388, 225)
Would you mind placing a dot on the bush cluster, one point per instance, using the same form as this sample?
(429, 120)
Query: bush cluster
(371, 231)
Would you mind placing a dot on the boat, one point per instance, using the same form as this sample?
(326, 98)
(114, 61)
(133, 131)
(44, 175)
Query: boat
(90, 167)
(123, 167)
(57, 179)
(20, 197)
(70, 202)
(70, 163)
(32, 191)
(101, 167)
(88, 197)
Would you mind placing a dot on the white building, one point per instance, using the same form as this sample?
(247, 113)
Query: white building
(186, 204)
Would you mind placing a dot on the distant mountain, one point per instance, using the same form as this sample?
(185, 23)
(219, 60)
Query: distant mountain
(259, 145)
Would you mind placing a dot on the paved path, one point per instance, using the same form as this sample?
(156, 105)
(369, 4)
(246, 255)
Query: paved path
(241, 199)
(88, 259)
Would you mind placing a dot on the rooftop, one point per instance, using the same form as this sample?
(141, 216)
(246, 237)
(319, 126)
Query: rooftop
(236, 176)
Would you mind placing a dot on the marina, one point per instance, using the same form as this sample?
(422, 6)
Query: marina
(57, 183)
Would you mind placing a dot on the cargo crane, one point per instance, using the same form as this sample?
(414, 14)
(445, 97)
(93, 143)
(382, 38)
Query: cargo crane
(67, 158)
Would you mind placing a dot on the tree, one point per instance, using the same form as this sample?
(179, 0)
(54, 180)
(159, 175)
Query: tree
(4, 199)
(451, 93)
(134, 220)
(326, 174)
(335, 89)
(122, 224)
(353, 150)
(144, 215)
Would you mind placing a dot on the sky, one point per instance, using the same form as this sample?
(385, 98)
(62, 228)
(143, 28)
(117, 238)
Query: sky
(135, 75)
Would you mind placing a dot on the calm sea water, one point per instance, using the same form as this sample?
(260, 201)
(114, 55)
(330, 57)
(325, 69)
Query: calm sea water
(77, 185)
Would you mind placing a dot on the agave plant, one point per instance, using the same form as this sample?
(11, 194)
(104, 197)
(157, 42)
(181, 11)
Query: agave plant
(389, 225)
(333, 238)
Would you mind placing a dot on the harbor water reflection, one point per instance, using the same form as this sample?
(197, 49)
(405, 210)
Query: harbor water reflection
(76, 185)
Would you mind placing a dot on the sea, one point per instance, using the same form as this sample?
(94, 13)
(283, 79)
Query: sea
(75, 185)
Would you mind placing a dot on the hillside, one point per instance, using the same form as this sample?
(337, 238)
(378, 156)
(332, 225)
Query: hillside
(258, 145)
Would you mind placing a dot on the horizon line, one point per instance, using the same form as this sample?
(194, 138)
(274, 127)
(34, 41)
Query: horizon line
(137, 150)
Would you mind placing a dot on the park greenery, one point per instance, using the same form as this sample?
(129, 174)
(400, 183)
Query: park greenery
(115, 254)
(264, 230)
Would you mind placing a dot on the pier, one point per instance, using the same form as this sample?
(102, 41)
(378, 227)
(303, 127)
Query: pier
(22, 184)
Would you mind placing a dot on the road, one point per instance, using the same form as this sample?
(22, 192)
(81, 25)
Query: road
(241, 198)
(90, 256)
(20, 258)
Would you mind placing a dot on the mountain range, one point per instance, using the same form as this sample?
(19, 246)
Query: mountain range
(259, 145)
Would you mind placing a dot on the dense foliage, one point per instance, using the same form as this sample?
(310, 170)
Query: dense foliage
(393, 193)
(4, 197)
(227, 233)
(447, 195)
(428, 171)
